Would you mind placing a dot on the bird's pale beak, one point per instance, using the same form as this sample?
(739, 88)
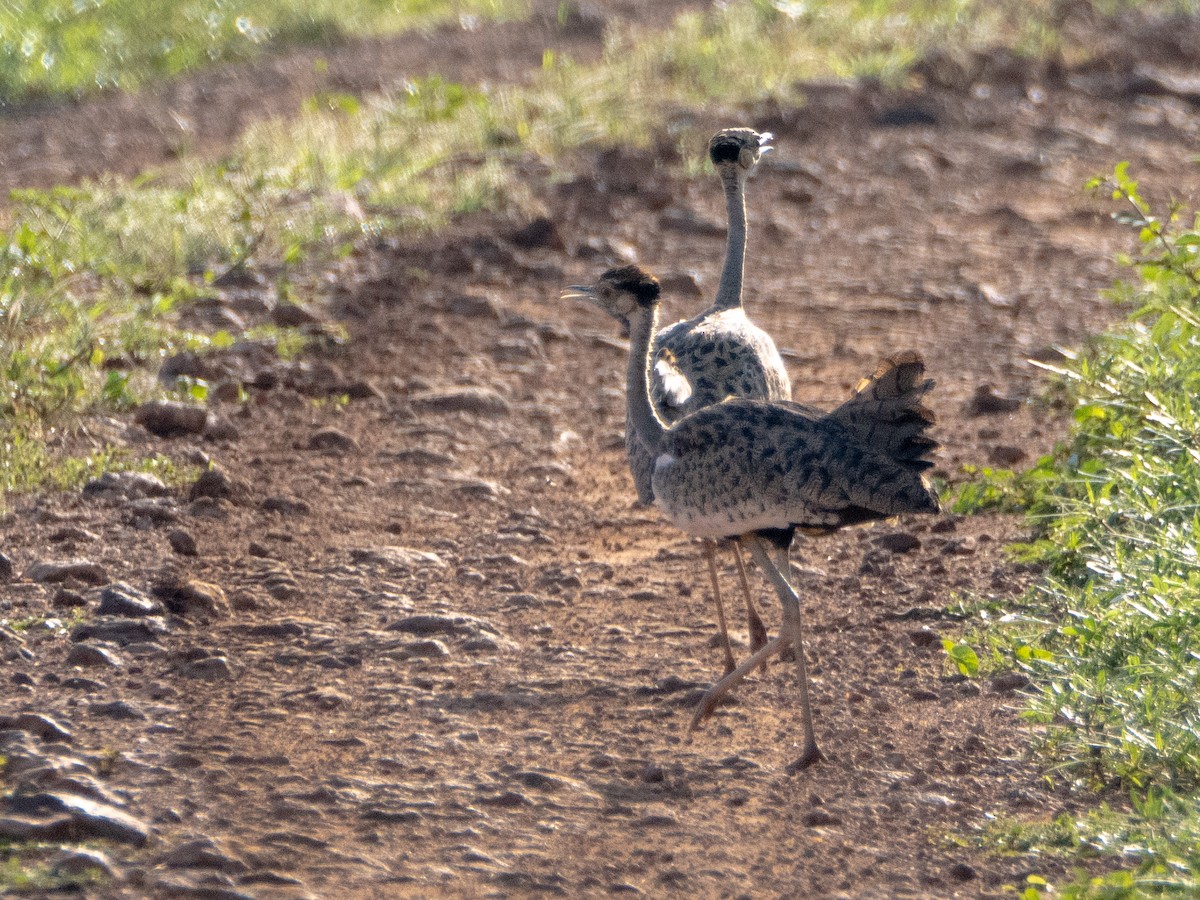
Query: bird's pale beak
(579, 292)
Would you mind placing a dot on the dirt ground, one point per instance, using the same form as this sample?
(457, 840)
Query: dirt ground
(458, 660)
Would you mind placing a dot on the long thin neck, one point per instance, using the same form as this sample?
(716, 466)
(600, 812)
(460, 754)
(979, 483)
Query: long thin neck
(729, 294)
(641, 414)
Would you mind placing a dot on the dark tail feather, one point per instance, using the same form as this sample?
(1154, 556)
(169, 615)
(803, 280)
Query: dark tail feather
(887, 414)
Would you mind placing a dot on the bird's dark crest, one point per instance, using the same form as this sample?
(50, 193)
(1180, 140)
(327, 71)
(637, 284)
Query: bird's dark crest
(636, 281)
(724, 149)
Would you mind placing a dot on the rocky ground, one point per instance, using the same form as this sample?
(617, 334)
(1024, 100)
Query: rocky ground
(422, 643)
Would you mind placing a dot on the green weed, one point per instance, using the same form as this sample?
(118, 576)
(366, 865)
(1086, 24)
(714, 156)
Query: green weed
(57, 47)
(1112, 636)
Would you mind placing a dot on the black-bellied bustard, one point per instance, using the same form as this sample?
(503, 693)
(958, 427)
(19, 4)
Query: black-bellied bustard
(755, 471)
(717, 354)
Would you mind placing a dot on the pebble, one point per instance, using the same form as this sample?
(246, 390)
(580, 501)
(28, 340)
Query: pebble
(152, 510)
(1010, 681)
(169, 418)
(430, 648)
(214, 482)
(288, 506)
(117, 709)
(76, 861)
(541, 232)
(333, 441)
(432, 623)
(962, 872)
(119, 599)
(44, 727)
(80, 818)
(120, 631)
(478, 401)
(211, 668)
(420, 458)
(276, 630)
(202, 853)
(397, 557)
(58, 572)
(816, 818)
(473, 307)
(68, 599)
(897, 542)
(128, 485)
(985, 401)
(182, 542)
(186, 597)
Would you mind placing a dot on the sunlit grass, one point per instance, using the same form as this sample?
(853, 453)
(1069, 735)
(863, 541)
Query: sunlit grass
(74, 46)
(1111, 637)
(94, 273)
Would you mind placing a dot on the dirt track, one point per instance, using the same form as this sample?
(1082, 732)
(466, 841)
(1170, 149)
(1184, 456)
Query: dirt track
(525, 736)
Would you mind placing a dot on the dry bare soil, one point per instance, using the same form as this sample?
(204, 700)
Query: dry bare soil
(458, 661)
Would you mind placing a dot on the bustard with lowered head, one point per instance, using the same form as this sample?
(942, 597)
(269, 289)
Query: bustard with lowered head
(717, 354)
(756, 471)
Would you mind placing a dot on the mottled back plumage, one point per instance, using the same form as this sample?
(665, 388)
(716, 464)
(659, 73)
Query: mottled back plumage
(719, 353)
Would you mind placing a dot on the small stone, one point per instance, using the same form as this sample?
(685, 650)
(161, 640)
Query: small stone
(1006, 456)
(478, 401)
(92, 657)
(84, 817)
(331, 440)
(119, 630)
(924, 696)
(277, 630)
(288, 506)
(432, 623)
(76, 861)
(986, 401)
(202, 853)
(1010, 681)
(923, 637)
(397, 557)
(364, 389)
(57, 572)
(962, 872)
(119, 599)
(43, 727)
(211, 668)
(425, 459)
(541, 232)
(506, 800)
(897, 542)
(473, 307)
(293, 315)
(816, 818)
(129, 485)
(117, 709)
(213, 482)
(430, 648)
(169, 418)
(68, 599)
(182, 542)
(186, 597)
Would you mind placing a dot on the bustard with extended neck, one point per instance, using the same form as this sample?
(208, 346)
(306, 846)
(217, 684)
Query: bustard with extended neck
(756, 471)
(717, 354)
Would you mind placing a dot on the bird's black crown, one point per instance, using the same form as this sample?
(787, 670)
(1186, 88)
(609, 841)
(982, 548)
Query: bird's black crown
(724, 149)
(636, 281)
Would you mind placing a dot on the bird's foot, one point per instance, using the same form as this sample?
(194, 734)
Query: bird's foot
(810, 757)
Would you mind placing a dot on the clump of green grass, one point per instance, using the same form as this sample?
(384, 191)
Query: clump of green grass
(1112, 635)
(56, 47)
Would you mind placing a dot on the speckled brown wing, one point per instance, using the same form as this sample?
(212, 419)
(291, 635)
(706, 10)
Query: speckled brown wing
(746, 465)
